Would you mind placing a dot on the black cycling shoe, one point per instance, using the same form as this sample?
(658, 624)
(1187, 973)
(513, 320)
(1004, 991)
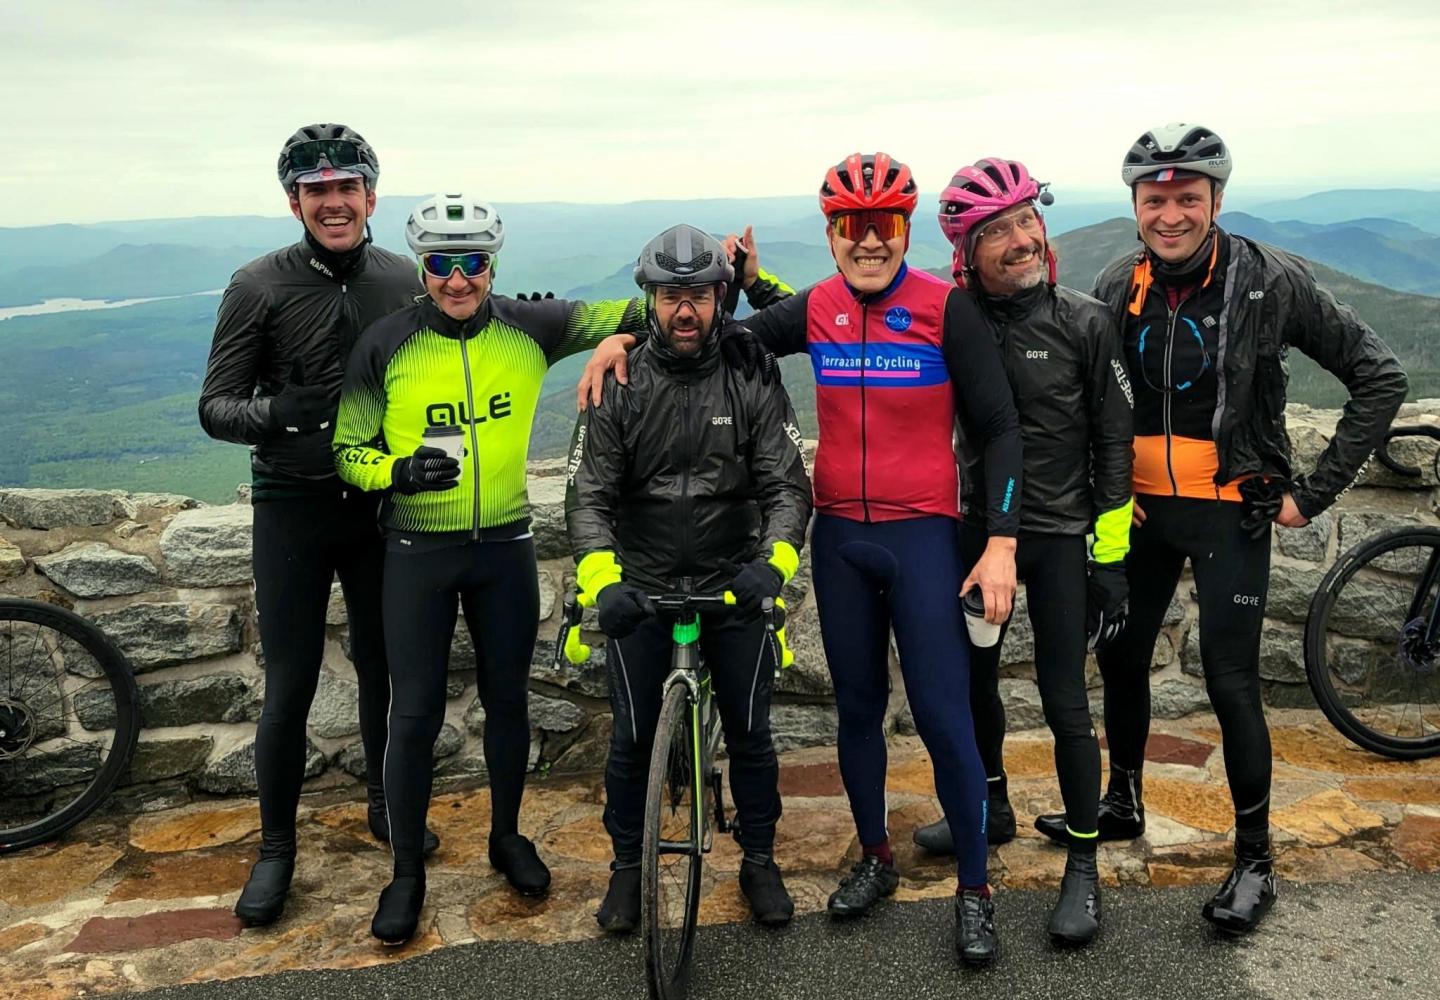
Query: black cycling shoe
(263, 899)
(1076, 918)
(1000, 819)
(869, 880)
(976, 942)
(398, 914)
(1121, 817)
(380, 829)
(1247, 894)
(999, 824)
(619, 913)
(514, 857)
(762, 885)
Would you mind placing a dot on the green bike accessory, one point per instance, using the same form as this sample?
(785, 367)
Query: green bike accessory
(686, 633)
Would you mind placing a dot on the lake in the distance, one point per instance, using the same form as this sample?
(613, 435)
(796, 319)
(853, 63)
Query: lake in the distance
(82, 305)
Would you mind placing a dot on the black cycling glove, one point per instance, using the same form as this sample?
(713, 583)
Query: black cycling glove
(301, 409)
(622, 609)
(428, 469)
(1262, 500)
(742, 351)
(1107, 604)
(534, 296)
(753, 582)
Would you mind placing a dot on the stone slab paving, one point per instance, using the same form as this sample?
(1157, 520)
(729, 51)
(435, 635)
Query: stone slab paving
(137, 903)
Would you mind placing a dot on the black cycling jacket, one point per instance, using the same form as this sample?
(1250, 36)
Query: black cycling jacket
(1061, 352)
(1272, 303)
(289, 305)
(689, 466)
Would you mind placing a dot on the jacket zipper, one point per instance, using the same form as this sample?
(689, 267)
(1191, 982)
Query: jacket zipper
(474, 440)
(689, 459)
(864, 454)
(1169, 394)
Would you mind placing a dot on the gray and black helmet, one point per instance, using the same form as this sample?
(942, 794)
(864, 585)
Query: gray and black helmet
(327, 149)
(1177, 151)
(683, 255)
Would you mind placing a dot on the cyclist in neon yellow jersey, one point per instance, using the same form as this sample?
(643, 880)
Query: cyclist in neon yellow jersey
(469, 365)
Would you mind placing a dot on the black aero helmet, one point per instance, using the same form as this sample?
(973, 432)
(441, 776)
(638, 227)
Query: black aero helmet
(326, 147)
(683, 255)
(1174, 152)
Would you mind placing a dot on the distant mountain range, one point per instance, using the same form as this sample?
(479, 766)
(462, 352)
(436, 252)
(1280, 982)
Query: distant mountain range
(107, 397)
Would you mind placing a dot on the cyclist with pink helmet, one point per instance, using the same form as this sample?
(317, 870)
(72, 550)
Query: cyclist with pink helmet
(899, 355)
(1061, 354)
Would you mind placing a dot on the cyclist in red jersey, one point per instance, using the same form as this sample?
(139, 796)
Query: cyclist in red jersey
(899, 355)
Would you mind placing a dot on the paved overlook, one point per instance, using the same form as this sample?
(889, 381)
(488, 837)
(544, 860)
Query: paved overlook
(137, 904)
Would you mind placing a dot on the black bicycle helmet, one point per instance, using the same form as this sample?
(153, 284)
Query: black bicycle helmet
(683, 255)
(326, 146)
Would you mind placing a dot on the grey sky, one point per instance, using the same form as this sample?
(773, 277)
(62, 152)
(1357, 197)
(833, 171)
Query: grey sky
(137, 109)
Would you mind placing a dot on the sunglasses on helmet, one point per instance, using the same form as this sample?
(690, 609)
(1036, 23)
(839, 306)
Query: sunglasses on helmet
(853, 225)
(442, 265)
(308, 155)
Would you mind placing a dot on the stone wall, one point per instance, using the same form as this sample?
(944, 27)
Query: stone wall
(168, 578)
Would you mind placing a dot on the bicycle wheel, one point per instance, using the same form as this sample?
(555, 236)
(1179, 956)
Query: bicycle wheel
(69, 719)
(674, 831)
(1372, 653)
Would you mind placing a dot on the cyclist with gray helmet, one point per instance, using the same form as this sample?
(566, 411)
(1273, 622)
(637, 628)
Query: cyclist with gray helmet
(468, 364)
(1207, 318)
(690, 470)
(286, 325)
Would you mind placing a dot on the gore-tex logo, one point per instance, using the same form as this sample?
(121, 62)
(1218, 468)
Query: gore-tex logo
(842, 319)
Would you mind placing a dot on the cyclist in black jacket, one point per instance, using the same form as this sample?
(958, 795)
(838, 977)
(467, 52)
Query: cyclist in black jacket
(686, 471)
(1062, 359)
(1207, 319)
(286, 325)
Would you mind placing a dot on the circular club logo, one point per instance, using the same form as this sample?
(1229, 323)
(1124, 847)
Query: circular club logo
(898, 318)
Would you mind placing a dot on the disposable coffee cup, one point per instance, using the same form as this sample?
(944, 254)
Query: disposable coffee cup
(982, 633)
(450, 439)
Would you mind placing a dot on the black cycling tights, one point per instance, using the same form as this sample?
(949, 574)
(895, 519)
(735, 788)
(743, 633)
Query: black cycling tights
(1053, 568)
(1232, 573)
(299, 547)
(496, 585)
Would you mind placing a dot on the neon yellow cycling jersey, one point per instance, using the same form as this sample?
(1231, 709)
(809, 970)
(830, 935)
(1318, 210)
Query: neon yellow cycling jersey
(419, 368)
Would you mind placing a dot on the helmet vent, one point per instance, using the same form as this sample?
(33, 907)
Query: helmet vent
(689, 267)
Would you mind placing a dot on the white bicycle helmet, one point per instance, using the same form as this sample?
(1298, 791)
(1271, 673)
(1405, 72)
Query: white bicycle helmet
(454, 222)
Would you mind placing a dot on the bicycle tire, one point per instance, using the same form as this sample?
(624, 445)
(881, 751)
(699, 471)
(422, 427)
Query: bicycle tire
(115, 671)
(1318, 666)
(669, 929)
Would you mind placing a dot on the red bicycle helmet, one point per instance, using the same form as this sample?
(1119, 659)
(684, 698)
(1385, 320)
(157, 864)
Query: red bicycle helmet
(868, 181)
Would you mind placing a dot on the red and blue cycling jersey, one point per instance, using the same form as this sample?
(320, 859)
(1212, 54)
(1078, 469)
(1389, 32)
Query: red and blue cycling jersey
(894, 370)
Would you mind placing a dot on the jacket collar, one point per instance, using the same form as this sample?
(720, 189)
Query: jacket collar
(683, 369)
(1011, 308)
(865, 298)
(337, 266)
(437, 320)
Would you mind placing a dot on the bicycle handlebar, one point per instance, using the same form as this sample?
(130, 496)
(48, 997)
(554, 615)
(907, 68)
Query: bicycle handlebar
(569, 646)
(1383, 452)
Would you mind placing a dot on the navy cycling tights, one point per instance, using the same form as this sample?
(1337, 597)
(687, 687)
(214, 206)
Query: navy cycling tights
(905, 575)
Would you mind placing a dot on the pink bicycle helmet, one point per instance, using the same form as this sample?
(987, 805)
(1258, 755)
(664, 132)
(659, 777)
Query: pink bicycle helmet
(979, 192)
